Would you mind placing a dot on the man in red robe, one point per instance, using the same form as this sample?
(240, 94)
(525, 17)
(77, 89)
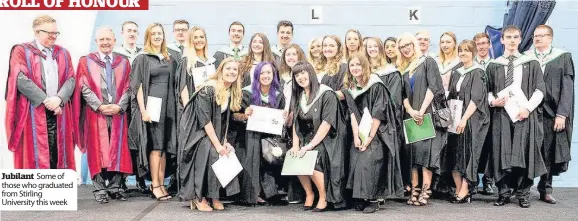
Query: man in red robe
(39, 117)
(100, 103)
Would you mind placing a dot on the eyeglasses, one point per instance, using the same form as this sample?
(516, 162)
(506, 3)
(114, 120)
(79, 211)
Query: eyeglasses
(50, 33)
(180, 30)
(405, 46)
(482, 43)
(542, 36)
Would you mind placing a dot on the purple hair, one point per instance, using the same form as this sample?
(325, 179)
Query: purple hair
(256, 86)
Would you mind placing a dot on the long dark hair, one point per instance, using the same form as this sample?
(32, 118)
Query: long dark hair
(302, 66)
(256, 86)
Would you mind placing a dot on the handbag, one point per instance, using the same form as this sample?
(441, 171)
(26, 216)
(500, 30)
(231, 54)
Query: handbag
(441, 113)
(273, 150)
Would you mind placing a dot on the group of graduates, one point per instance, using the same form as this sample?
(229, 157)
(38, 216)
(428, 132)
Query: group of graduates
(206, 101)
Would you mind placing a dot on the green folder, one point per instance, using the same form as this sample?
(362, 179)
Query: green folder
(414, 133)
(295, 165)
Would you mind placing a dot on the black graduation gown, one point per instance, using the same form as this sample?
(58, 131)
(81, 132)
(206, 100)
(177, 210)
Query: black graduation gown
(522, 149)
(137, 137)
(198, 153)
(335, 82)
(376, 172)
(257, 174)
(558, 69)
(464, 149)
(426, 153)
(332, 148)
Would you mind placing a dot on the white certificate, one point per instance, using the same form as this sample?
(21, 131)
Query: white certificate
(456, 108)
(365, 125)
(512, 107)
(266, 120)
(154, 107)
(201, 74)
(227, 168)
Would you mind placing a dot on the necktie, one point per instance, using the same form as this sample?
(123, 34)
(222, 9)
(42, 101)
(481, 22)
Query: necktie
(181, 48)
(483, 62)
(510, 73)
(50, 74)
(109, 78)
(236, 50)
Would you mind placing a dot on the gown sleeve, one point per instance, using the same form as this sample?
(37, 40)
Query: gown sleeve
(329, 109)
(478, 91)
(379, 99)
(567, 91)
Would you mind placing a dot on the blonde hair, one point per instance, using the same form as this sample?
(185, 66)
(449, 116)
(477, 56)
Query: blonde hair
(191, 52)
(346, 54)
(454, 52)
(284, 68)
(402, 61)
(381, 57)
(331, 68)
(42, 20)
(221, 90)
(316, 62)
(349, 81)
(148, 46)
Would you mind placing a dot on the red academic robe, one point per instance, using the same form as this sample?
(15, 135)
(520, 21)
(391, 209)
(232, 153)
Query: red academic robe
(25, 124)
(102, 152)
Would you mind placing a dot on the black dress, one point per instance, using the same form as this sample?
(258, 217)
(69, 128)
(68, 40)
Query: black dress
(159, 87)
(156, 76)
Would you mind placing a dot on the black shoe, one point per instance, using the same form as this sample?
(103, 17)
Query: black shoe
(371, 208)
(465, 199)
(524, 203)
(548, 198)
(502, 201)
(102, 199)
(360, 205)
(488, 189)
(317, 210)
(118, 196)
(307, 208)
(142, 187)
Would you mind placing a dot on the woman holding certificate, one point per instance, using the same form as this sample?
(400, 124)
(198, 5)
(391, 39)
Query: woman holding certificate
(375, 168)
(423, 89)
(469, 104)
(195, 66)
(203, 136)
(318, 127)
(152, 128)
(258, 180)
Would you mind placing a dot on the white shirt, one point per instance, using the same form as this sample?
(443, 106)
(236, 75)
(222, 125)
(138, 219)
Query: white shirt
(50, 69)
(537, 96)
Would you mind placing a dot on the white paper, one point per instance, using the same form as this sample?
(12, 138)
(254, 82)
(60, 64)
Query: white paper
(456, 108)
(154, 106)
(227, 168)
(266, 120)
(512, 107)
(201, 74)
(365, 125)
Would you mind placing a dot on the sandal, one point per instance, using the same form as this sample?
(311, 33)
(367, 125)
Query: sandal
(413, 197)
(159, 198)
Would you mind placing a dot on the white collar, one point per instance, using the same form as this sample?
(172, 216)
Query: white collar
(103, 55)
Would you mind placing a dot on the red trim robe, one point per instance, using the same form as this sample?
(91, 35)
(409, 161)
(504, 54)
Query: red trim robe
(102, 152)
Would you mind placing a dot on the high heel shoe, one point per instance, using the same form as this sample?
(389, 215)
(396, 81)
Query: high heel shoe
(218, 206)
(159, 198)
(465, 199)
(413, 197)
(195, 205)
